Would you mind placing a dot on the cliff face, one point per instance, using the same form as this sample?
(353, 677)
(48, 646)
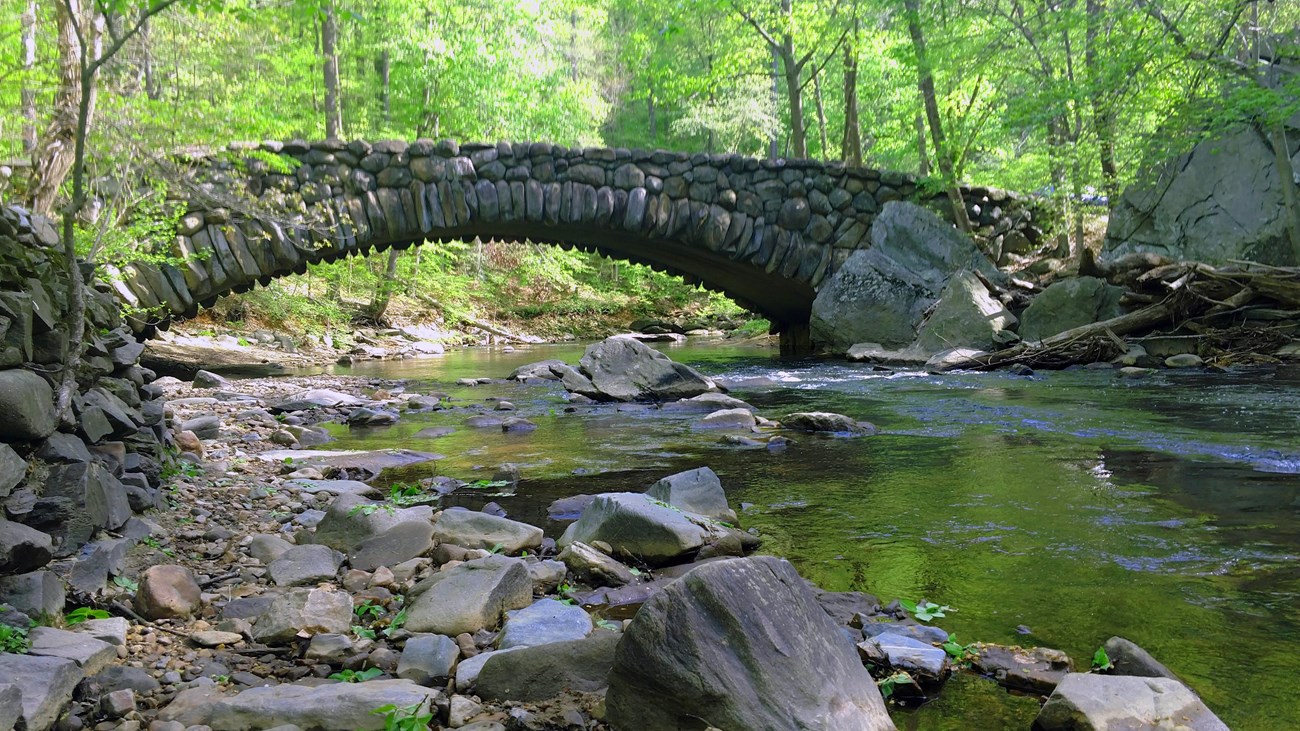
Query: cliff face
(67, 492)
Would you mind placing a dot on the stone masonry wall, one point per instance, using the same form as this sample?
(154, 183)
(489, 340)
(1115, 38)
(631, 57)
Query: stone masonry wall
(766, 232)
(67, 493)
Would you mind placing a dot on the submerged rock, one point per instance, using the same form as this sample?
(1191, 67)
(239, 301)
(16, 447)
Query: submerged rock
(827, 423)
(740, 644)
(1034, 670)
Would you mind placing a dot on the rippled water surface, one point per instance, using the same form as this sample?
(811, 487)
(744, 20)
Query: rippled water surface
(1164, 510)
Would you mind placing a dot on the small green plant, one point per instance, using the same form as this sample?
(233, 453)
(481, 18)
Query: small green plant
(890, 684)
(414, 717)
(395, 623)
(1101, 661)
(610, 625)
(364, 633)
(84, 614)
(370, 509)
(368, 609)
(126, 583)
(243, 342)
(357, 676)
(14, 639)
(497, 548)
(958, 652)
(221, 678)
(925, 611)
(479, 484)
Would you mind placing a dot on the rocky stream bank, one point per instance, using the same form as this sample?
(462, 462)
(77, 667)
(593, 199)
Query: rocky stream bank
(275, 583)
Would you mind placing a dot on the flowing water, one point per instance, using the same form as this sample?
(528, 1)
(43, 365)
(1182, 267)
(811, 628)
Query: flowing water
(1080, 505)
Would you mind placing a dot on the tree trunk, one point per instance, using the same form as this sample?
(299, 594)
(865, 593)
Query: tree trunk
(152, 84)
(385, 87)
(650, 112)
(29, 67)
(851, 150)
(329, 50)
(55, 153)
(1103, 118)
(774, 143)
(794, 97)
(384, 292)
(821, 116)
(1286, 176)
(925, 82)
(923, 157)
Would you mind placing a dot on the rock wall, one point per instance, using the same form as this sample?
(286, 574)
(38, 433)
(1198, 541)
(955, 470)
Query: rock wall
(1220, 201)
(67, 492)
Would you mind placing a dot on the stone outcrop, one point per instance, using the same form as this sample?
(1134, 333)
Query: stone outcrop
(1089, 702)
(881, 293)
(1223, 200)
(1068, 304)
(740, 644)
(62, 485)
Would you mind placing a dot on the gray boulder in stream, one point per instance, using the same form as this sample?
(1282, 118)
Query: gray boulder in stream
(623, 369)
(881, 294)
(697, 491)
(740, 644)
(639, 528)
(1089, 702)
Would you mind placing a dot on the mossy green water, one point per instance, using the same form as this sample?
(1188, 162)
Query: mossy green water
(1076, 504)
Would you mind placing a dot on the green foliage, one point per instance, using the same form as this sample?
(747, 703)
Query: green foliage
(414, 717)
(356, 676)
(369, 609)
(890, 684)
(364, 633)
(129, 584)
(925, 611)
(84, 614)
(396, 623)
(1101, 661)
(14, 639)
(958, 652)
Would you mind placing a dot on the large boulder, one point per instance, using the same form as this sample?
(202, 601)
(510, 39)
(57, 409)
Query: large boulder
(1089, 702)
(880, 294)
(167, 591)
(967, 315)
(542, 622)
(27, 402)
(305, 565)
(1222, 200)
(303, 613)
(94, 498)
(638, 528)
(696, 491)
(337, 706)
(472, 529)
(22, 548)
(46, 684)
(351, 520)
(623, 369)
(537, 673)
(472, 596)
(740, 644)
(1068, 304)
(12, 469)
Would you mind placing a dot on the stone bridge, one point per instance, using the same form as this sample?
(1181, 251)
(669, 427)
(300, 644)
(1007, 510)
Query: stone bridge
(764, 232)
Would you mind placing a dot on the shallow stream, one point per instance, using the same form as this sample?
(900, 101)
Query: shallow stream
(1076, 504)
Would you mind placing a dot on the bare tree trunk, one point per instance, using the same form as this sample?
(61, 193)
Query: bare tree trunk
(385, 87)
(329, 50)
(1286, 176)
(29, 66)
(925, 83)
(821, 115)
(152, 84)
(774, 144)
(650, 112)
(1103, 118)
(923, 157)
(384, 292)
(54, 155)
(851, 150)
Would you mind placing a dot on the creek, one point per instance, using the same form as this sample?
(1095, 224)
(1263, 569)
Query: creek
(1076, 504)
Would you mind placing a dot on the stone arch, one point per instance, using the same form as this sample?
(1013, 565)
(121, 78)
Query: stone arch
(765, 232)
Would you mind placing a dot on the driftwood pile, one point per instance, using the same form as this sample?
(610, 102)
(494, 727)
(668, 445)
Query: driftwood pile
(1238, 313)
